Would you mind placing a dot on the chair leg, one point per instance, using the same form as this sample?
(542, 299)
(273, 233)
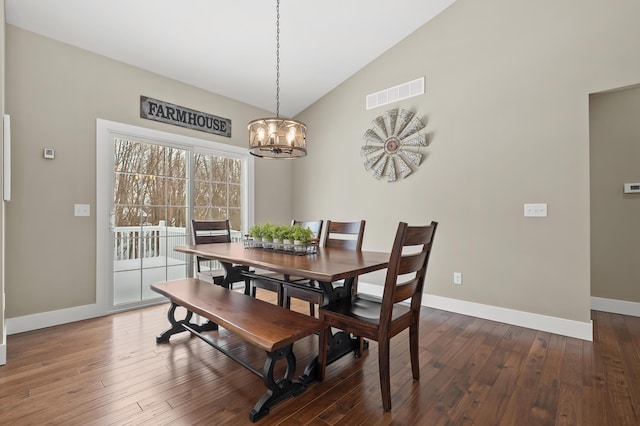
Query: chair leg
(323, 343)
(286, 300)
(280, 295)
(413, 350)
(385, 375)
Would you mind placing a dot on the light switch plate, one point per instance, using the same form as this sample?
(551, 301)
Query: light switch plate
(535, 210)
(81, 210)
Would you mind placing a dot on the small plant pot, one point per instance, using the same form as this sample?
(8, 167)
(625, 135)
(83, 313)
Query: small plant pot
(277, 244)
(299, 247)
(267, 243)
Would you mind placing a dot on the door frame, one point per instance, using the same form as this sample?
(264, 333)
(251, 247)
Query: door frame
(106, 131)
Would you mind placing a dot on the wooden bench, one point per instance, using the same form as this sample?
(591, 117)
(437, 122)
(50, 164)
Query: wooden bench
(264, 325)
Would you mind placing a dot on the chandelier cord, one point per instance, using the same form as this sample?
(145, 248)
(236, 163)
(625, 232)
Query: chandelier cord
(278, 58)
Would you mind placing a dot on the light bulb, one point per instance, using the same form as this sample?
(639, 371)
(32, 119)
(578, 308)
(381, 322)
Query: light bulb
(291, 135)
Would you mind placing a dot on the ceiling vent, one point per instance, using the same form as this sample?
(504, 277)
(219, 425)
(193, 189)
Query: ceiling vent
(396, 93)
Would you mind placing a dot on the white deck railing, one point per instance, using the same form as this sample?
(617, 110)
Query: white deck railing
(149, 241)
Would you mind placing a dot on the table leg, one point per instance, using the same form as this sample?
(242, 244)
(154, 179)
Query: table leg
(339, 343)
(234, 274)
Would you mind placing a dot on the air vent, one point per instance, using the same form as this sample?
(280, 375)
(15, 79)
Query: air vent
(395, 93)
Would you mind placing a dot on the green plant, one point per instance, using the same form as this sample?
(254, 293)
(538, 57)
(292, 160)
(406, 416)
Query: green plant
(269, 230)
(282, 232)
(301, 234)
(257, 231)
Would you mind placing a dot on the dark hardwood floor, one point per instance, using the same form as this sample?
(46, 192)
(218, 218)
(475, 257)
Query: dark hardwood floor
(109, 371)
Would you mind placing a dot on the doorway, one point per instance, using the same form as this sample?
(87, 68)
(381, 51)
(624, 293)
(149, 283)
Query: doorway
(150, 185)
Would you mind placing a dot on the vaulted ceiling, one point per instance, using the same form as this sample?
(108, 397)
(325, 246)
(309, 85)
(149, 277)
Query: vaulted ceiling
(229, 47)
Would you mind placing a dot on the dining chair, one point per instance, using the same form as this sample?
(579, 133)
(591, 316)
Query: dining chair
(380, 319)
(316, 227)
(347, 235)
(212, 232)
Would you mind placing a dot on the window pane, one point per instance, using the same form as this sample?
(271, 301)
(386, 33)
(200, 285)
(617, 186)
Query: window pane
(176, 162)
(235, 195)
(209, 213)
(219, 169)
(202, 194)
(220, 194)
(235, 219)
(218, 189)
(127, 156)
(126, 189)
(235, 171)
(177, 192)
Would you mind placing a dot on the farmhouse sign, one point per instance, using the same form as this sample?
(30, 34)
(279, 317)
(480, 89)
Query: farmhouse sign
(153, 109)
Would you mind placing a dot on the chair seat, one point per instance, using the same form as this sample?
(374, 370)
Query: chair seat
(215, 276)
(268, 285)
(364, 307)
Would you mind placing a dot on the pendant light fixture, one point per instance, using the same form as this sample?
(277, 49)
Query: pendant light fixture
(279, 138)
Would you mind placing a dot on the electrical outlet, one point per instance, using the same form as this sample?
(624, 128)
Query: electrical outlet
(457, 278)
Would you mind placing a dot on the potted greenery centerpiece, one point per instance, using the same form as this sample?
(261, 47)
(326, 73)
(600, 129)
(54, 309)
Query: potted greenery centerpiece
(281, 237)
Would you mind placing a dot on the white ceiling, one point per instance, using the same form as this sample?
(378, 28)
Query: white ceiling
(229, 47)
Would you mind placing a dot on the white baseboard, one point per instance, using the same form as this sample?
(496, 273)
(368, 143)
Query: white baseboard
(564, 327)
(614, 306)
(49, 319)
(3, 348)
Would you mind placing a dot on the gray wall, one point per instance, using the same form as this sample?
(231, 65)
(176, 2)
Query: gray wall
(507, 104)
(54, 94)
(615, 160)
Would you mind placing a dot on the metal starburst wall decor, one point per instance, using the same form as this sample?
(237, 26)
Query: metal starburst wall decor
(393, 145)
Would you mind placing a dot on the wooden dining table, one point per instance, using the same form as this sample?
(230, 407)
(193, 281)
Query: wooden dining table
(326, 266)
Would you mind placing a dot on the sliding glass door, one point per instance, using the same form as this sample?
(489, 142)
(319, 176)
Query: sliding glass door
(156, 184)
(150, 215)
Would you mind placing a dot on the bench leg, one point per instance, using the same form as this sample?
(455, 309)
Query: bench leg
(277, 390)
(177, 325)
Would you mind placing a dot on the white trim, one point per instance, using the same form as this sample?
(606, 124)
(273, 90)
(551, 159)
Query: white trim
(3, 347)
(562, 326)
(51, 318)
(6, 157)
(622, 307)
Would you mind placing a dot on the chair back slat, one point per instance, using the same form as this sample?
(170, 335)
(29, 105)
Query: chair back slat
(411, 263)
(346, 235)
(210, 231)
(405, 290)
